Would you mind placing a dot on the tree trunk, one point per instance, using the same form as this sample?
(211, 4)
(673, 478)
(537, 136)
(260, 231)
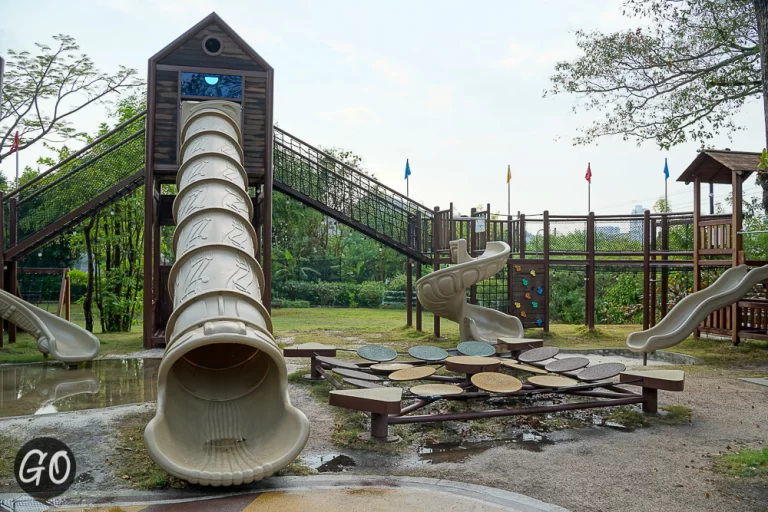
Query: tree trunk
(761, 11)
(88, 301)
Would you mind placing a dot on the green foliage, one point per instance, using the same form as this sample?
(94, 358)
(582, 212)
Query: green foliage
(368, 294)
(566, 297)
(621, 300)
(398, 283)
(744, 463)
(288, 303)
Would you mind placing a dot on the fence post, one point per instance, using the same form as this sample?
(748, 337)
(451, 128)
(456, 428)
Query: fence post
(435, 261)
(408, 292)
(418, 302)
(652, 296)
(646, 268)
(475, 247)
(510, 302)
(522, 236)
(419, 246)
(68, 300)
(546, 270)
(2, 249)
(589, 321)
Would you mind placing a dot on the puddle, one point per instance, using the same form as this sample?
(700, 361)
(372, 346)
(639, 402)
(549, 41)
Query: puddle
(599, 421)
(47, 388)
(330, 462)
(436, 453)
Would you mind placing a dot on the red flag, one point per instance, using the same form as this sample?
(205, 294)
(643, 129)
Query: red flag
(15, 145)
(588, 176)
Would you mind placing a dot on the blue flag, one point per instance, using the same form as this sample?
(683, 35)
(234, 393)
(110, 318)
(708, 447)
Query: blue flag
(666, 170)
(407, 169)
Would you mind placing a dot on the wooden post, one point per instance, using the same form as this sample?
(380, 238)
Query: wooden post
(737, 248)
(664, 269)
(510, 302)
(408, 292)
(435, 261)
(652, 300)
(589, 317)
(2, 251)
(418, 302)
(522, 236)
(546, 270)
(696, 240)
(474, 247)
(11, 283)
(68, 300)
(646, 268)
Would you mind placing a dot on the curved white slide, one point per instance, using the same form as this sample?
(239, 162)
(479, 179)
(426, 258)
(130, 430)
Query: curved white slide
(444, 293)
(687, 314)
(61, 339)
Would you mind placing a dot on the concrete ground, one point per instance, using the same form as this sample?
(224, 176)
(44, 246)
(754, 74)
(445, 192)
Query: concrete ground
(587, 469)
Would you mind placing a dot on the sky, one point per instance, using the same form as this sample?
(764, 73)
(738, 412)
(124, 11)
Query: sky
(455, 89)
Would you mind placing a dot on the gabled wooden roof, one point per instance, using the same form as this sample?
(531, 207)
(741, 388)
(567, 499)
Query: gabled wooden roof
(718, 166)
(211, 18)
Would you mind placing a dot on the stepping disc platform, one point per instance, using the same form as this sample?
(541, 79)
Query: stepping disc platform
(415, 373)
(390, 367)
(378, 400)
(552, 381)
(476, 348)
(600, 371)
(427, 353)
(666, 380)
(355, 374)
(527, 368)
(517, 345)
(377, 353)
(495, 382)
(359, 383)
(538, 354)
(436, 390)
(472, 364)
(567, 364)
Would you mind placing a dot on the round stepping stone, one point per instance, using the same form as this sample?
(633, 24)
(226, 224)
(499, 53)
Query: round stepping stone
(390, 367)
(427, 353)
(509, 363)
(345, 372)
(337, 363)
(365, 384)
(436, 390)
(601, 371)
(551, 381)
(476, 348)
(538, 354)
(472, 364)
(415, 373)
(567, 364)
(377, 353)
(496, 382)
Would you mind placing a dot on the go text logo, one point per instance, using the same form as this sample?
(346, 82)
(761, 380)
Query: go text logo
(44, 468)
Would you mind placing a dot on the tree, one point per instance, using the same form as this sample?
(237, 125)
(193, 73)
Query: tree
(681, 78)
(41, 92)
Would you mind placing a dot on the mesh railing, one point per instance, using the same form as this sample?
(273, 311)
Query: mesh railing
(567, 235)
(77, 180)
(351, 196)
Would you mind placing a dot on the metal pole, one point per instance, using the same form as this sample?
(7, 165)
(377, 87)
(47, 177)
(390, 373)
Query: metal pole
(589, 196)
(666, 201)
(711, 198)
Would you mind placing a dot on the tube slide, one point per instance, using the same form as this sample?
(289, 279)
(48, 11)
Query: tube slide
(687, 314)
(61, 339)
(223, 412)
(444, 293)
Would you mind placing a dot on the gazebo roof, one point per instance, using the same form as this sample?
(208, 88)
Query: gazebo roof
(718, 166)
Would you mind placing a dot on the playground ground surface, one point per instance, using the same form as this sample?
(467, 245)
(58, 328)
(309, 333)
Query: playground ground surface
(705, 453)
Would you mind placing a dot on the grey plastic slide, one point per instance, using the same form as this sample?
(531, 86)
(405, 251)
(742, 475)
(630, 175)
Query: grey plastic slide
(223, 412)
(61, 339)
(444, 293)
(687, 314)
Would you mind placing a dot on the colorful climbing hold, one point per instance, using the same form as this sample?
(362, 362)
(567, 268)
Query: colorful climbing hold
(534, 304)
(517, 305)
(539, 322)
(533, 273)
(528, 295)
(525, 282)
(540, 290)
(518, 268)
(523, 314)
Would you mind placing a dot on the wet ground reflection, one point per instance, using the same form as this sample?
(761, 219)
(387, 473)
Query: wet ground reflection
(45, 388)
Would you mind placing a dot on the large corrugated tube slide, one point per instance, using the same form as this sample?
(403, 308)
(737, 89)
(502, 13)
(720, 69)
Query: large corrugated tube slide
(224, 416)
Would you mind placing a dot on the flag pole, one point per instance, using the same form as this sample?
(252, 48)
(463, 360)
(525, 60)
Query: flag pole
(17, 167)
(589, 196)
(408, 186)
(509, 191)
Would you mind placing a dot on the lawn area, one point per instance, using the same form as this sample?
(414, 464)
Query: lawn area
(343, 327)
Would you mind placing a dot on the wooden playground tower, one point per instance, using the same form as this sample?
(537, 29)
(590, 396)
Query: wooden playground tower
(183, 71)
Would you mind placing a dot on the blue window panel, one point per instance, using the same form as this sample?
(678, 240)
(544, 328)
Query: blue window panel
(215, 86)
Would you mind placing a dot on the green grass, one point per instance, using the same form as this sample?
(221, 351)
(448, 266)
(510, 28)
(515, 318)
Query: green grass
(744, 463)
(8, 448)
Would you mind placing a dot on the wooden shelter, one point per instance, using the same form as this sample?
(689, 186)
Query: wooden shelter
(209, 61)
(718, 239)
